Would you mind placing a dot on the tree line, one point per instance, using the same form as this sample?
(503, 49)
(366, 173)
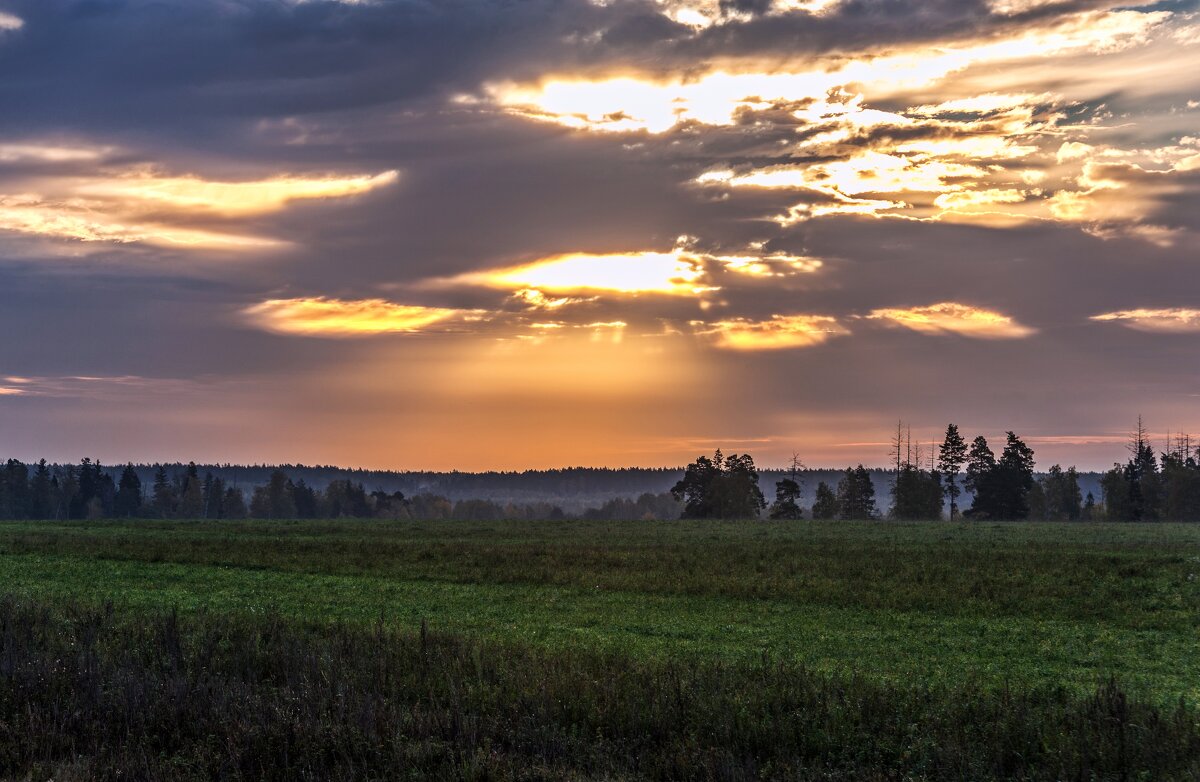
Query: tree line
(925, 485)
(928, 485)
(90, 491)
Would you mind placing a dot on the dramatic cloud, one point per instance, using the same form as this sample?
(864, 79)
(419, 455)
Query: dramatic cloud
(593, 232)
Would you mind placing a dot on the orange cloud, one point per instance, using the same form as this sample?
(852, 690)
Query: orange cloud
(953, 318)
(235, 198)
(1177, 320)
(780, 332)
(325, 317)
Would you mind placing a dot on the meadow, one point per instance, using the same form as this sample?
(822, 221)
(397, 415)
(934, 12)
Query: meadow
(616, 650)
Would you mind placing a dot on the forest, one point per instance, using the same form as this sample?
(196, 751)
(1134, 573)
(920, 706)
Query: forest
(951, 480)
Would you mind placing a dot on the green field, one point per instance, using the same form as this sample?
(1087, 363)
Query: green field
(949, 609)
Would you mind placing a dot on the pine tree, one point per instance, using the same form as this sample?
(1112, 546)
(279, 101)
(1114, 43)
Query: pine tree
(787, 496)
(41, 492)
(720, 488)
(981, 479)
(164, 494)
(856, 495)
(129, 493)
(1014, 473)
(825, 504)
(952, 455)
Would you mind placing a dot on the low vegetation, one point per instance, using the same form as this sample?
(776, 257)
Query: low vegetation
(616, 650)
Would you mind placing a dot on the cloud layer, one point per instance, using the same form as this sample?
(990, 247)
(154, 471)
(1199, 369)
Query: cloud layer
(606, 231)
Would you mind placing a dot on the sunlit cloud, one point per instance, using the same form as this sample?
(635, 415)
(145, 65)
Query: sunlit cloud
(88, 222)
(966, 199)
(700, 14)
(778, 333)
(10, 22)
(534, 299)
(954, 318)
(48, 153)
(632, 103)
(770, 265)
(327, 317)
(629, 273)
(684, 271)
(1177, 320)
(131, 206)
(236, 198)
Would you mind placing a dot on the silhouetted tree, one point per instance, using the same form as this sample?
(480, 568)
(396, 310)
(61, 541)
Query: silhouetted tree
(787, 494)
(786, 505)
(233, 504)
(720, 488)
(952, 455)
(273, 501)
(163, 493)
(1014, 479)
(41, 492)
(14, 490)
(1062, 499)
(128, 502)
(1089, 512)
(824, 502)
(917, 495)
(981, 480)
(856, 495)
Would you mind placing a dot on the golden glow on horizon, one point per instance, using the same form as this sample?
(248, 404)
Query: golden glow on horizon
(1176, 320)
(953, 318)
(325, 317)
(780, 332)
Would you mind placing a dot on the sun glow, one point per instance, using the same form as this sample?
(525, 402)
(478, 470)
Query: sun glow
(630, 273)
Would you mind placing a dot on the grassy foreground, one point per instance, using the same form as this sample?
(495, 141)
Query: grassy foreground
(599, 650)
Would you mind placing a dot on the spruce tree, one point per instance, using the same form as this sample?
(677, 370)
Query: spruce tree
(952, 455)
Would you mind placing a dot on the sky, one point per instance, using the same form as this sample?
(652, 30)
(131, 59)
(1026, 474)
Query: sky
(472, 234)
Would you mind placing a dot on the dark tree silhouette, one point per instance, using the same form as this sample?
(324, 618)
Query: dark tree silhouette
(128, 502)
(952, 455)
(825, 505)
(787, 494)
(856, 495)
(720, 488)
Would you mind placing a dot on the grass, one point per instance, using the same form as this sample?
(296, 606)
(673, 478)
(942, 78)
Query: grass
(927, 621)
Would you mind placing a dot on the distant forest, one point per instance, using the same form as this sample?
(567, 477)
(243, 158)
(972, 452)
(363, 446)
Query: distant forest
(923, 483)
